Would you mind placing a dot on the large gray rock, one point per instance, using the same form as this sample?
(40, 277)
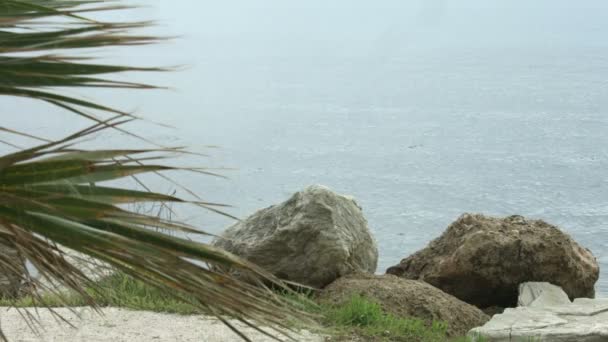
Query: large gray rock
(313, 238)
(11, 278)
(407, 298)
(583, 320)
(541, 294)
(482, 260)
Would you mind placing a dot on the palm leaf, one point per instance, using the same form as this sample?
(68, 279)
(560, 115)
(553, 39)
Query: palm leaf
(57, 195)
(22, 29)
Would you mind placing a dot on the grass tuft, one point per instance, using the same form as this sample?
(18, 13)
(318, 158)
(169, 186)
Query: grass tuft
(118, 290)
(366, 319)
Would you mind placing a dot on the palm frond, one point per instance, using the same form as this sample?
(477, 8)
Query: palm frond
(57, 195)
(30, 31)
(50, 196)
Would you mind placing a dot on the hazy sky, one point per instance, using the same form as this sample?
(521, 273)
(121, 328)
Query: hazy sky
(432, 22)
(229, 43)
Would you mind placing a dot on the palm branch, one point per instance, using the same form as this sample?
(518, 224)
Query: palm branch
(56, 195)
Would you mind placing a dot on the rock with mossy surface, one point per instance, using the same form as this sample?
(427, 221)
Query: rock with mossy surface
(313, 238)
(482, 260)
(406, 298)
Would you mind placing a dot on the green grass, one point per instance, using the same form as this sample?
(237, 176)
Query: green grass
(366, 319)
(357, 317)
(118, 290)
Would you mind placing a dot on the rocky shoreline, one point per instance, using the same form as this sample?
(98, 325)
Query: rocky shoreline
(545, 313)
(499, 278)
(473, 276)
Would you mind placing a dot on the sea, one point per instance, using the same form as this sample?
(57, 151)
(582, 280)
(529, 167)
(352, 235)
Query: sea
(421, 110)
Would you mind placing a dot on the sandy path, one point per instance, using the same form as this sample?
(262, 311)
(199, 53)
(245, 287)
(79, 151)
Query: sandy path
(119, 325)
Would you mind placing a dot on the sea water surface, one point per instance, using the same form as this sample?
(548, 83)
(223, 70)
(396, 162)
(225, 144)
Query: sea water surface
(422, 111)
(422, 139)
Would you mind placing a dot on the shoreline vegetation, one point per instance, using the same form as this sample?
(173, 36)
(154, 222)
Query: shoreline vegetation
(357, 319)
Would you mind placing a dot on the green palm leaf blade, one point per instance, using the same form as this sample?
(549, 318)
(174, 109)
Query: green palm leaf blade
(50, 97)
(103, 155)
(55, 65)
(73, 171)
(70, 39)
(102, 194)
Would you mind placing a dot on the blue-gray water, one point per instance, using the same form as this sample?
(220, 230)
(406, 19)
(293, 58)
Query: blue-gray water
(421, 111)
(421, 139)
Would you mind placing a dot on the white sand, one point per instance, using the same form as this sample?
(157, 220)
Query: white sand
(119, 325)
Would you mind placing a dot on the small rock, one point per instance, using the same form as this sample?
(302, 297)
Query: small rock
(541, 294)
(583, 320)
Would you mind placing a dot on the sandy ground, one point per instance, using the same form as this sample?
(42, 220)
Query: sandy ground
(119, 325)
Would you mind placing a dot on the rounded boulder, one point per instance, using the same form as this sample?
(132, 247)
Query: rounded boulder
(482, 260)
(313, 238)
(407, 298)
